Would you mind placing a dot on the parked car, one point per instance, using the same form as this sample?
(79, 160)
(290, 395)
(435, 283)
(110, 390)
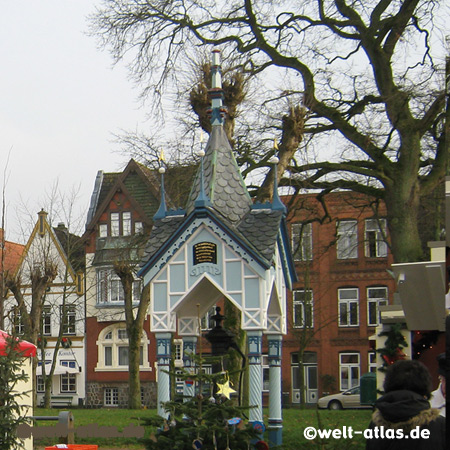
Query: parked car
(346, 399)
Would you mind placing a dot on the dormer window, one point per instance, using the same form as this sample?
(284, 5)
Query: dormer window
(120, 224)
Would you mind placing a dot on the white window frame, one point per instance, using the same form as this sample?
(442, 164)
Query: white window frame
(375, 301)
(68, 382)
(110, 290)
(206, 322)
(69, 319)
(372, 365)
(113, 338)
(126, 223)
(40, 387)
(111, 396)
(375, 244)
(348, 368)
(347, 239)
(115, 224)
(302, 241)
(138, 227)
(178, 352)
(46, 321)
(344, 300)
(303, 308)
(19, 327)
(103, 230)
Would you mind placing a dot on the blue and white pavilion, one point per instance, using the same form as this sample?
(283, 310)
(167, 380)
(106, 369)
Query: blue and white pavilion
(221, 246)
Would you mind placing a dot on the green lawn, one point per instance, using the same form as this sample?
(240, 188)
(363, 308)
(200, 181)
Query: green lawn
(295, 421)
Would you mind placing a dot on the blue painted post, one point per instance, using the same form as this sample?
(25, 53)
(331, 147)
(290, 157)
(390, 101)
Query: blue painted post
(163, 343)
(275, 413)
(189, 344)
(254, 339)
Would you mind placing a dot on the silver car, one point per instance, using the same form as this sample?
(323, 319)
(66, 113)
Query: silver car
(346, 399)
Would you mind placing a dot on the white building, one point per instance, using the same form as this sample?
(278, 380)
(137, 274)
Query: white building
(63, 310)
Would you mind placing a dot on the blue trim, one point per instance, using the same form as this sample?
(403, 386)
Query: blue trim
(161, 213)
(289, 271)
(200, 213)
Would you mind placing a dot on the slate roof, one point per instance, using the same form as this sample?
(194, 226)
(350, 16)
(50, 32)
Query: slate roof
(72, 246)
(260, 227)
(162, 230)
(223, 181)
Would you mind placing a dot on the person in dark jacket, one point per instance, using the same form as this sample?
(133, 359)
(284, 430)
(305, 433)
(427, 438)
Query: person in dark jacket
(403, 418)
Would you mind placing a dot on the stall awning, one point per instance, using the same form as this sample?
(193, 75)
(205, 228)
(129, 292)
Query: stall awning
(59, 370)
(26, 348)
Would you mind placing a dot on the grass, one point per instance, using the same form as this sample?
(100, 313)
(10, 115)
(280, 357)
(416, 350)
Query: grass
(294, 423)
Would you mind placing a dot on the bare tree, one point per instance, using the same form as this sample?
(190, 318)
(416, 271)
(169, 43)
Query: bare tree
(134, 320)
(365, 71)
(53, 261)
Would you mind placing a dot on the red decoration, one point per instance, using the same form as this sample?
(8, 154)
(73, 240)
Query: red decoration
(26, 348)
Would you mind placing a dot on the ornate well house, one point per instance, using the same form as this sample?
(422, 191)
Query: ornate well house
(221, 246)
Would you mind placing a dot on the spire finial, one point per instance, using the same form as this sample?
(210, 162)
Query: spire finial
(162, 211)
(216, 91)
(202, 200)
(277, 204)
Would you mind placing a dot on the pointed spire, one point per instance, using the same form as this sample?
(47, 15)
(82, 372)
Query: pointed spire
(218, 182)
(277, 204)
(162, 211)
(202, 200)
(216, 91)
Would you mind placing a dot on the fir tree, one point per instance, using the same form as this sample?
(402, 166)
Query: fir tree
(209, 420)
(11, 413)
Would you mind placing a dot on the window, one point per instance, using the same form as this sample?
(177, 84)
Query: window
(376, 246)
(19, 327)
(178, 352)
(103, 230)
(47, 321)
(115, 224)
(138, 227)
(348, 307)
(68, 382)
(347, 239)
(265, 373)
(71, 364)
(302, 241)
(126, 224)
(372, 362)
(121, 224)
(123, 356)
(376, 297)
(113, 350)
(303, 308)
(110, 289)
(349, 370)
(68, 316)
(207, 322)
(108, 356)
(40, 387)
(111, 397)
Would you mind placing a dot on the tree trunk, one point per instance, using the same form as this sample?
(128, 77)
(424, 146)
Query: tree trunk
(403, 210)
(134, 382)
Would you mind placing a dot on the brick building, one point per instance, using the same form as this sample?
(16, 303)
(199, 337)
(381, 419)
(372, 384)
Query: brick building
(119, 218)
(342, 262)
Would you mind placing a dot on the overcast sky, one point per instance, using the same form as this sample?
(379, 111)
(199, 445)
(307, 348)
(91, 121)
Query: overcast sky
(61, 103)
